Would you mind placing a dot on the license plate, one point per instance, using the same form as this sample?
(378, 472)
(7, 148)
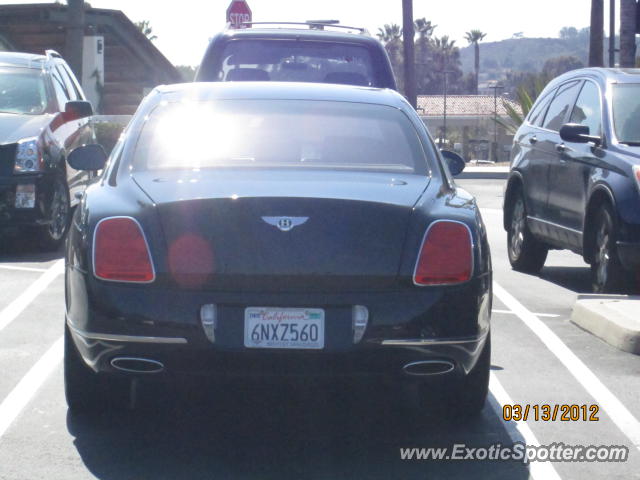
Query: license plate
(267, 327)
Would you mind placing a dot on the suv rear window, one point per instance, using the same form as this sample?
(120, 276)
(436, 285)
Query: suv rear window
(296, 61)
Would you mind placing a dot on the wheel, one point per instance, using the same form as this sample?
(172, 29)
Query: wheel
(85, 390)
(607, 273)
(52, 235)
(526, 253)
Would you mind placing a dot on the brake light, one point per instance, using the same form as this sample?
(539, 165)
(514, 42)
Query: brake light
(636, 174)
(120, 251)
(446, 255)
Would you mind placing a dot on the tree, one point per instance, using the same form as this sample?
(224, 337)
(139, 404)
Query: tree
(391, 36)
(628, 33)
(526, 94)
(474, 37)
(596, 50)
(424, 54)
(559, 65)
(567, 33)
(147, 30)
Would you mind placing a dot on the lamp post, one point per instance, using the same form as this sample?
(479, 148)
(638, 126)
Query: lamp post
(446, 84)
(495, 86)
(75, 36)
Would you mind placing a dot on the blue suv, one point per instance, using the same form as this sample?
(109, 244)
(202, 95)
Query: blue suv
(574, 181)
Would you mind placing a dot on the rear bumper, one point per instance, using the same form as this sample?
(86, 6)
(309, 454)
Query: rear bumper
(629, 253)
(408, 325)
(386, 358)
(17, 217)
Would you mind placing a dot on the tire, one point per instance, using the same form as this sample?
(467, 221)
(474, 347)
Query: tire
(52, 236)
(85, 390)
(526, 253)
(607, 273)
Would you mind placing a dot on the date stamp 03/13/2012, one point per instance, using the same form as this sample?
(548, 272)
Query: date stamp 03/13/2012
(551, 413)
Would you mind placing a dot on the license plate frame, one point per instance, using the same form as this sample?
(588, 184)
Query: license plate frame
(284, 328)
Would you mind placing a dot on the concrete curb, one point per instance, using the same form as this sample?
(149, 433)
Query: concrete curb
(494, 173)
(613, 318)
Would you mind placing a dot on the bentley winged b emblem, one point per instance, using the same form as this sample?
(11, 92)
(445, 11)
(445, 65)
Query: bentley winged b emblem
(285, 224)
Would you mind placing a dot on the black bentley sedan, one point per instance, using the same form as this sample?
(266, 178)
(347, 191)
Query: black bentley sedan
(43, 116)
(259, 229)
(575, 177)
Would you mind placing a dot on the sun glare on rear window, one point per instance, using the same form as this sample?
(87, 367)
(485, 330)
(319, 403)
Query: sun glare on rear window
(279, 133)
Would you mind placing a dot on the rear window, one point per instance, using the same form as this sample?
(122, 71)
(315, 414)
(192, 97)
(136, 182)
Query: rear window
(279, 133)
(296, 61)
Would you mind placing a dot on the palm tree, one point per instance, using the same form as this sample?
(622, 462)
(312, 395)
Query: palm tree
(424, 48)
(627, 33)
(389, 33)
(391, 36)
(596, 36)
(445, 53)
(147, 30)
(474, 37)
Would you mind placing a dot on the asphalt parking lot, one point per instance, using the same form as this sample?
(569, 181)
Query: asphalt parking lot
(309, 429)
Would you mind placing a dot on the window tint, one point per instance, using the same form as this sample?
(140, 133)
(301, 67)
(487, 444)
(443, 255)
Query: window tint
(280, 133)
(560, 106)
(537, 114)
(71, 85)
(626, 112)
(62, 94)
(587, 110)
(296, 61)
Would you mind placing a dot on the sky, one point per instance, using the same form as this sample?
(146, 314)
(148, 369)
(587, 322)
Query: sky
(184, 27)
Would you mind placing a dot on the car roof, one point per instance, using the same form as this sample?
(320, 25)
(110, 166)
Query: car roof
(297, 33)
(605, 75)
(24, 60)
(282, 91)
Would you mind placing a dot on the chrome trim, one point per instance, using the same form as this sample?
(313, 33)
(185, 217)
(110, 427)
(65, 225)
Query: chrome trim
(159, 366)
(578, 232)
(445, 363)
(421, 342)
(93, 252)
(108, 337)
(424, 237)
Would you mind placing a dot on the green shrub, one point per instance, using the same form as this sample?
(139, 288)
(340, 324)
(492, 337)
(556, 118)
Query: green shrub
(107, 134)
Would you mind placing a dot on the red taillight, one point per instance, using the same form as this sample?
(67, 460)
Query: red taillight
(120, 251)
(446, 255)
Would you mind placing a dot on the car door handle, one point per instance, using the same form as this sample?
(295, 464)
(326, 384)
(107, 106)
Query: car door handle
(533, 140)
(561, 147)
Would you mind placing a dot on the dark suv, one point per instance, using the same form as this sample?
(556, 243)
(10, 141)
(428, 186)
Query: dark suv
(575, 177)
(43, 116)
(297, 53)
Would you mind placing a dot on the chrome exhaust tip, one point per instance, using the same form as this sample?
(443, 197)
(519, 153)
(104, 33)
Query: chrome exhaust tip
(136, 365)
(428, 367)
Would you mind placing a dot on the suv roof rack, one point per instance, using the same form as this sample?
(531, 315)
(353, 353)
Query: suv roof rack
(52, 54)
(312, 25)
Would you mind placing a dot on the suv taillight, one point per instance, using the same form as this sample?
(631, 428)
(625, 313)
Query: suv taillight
(636, 174)
(120, 251)
(446, 255)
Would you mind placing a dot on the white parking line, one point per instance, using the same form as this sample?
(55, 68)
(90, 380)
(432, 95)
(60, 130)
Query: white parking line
(22, 269)
(618, 413)
(20, 396)
(16, 307)
(549, 315)
(519, 431)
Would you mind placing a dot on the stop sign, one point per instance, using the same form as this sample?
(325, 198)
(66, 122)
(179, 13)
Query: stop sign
(237, 13)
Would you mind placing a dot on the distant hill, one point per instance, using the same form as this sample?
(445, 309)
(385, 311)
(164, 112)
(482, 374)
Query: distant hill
(523, 54)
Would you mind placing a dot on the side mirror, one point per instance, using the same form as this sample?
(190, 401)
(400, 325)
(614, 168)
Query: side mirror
(77, 109)
(88, 157)
(455, 162)
(575, 133)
